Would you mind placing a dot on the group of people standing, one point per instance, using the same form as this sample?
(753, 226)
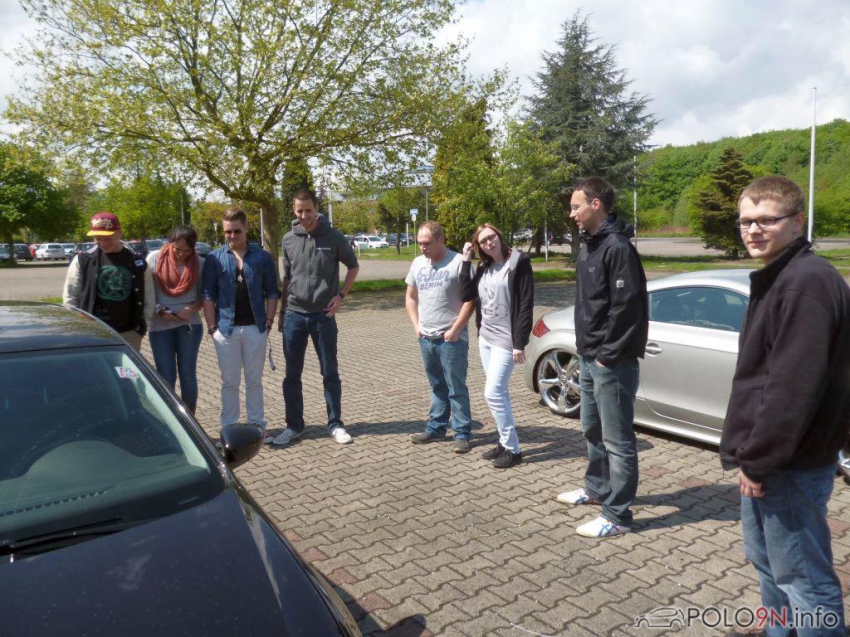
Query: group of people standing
(788, 415)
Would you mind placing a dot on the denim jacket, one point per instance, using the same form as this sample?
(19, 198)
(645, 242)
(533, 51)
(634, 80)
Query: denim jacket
(219, 284)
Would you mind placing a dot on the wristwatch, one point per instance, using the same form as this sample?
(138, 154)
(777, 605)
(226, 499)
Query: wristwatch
(212, 330)
(341, 295)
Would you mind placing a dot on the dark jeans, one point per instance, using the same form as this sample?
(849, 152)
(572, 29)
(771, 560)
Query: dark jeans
(297, 328)
(787, 539)
(446, 365)
(607, 419)
(175, 351)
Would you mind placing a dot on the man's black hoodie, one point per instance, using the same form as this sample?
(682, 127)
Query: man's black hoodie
(790, 401)
(611, 312)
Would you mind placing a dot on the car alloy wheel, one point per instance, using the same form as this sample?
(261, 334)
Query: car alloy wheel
(557, 382)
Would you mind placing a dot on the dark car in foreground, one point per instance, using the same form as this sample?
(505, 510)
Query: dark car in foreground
(117, 515)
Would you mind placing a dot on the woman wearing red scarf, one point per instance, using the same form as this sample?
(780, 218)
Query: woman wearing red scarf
(176, 331)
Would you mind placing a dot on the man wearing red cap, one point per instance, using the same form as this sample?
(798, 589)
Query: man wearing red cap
(111, 282)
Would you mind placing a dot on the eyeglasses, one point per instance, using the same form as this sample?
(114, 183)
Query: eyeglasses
(186, 251)
(762, 222)
(489, 239)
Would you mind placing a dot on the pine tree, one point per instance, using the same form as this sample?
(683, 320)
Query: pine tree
(717, 204)
(583, 105)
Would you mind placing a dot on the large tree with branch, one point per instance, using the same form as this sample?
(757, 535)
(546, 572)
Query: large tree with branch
(230, 90)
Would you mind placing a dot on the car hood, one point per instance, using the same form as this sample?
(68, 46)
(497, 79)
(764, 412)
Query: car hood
(217, 569)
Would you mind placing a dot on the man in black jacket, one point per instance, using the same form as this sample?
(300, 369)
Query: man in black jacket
(789, 410)
(111, 281)
(611, 322)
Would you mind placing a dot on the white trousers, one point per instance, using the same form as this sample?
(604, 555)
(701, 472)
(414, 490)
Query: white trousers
(244, 349)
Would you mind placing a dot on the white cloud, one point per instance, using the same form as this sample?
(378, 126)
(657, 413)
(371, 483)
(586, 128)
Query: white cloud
(713, 68)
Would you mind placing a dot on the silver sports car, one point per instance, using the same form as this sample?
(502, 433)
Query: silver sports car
(686, 376)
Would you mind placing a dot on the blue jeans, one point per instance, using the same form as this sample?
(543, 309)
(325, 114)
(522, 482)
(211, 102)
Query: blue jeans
(788, 541)
(176, 351)
(445, 365)
(298, 327)
(498, 364)
(607, 420)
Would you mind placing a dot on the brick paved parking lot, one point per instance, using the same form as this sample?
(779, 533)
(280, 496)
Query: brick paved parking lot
(419, 541)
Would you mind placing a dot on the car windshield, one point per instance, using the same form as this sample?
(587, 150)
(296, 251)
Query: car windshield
(154, 244)
(87, 437)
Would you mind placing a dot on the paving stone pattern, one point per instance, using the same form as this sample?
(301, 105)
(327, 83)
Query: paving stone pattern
(420, 541)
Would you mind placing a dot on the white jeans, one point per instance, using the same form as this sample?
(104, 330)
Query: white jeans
(244, 349)
(498, 364)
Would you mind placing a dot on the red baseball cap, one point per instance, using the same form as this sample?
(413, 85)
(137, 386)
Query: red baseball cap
(104, 224)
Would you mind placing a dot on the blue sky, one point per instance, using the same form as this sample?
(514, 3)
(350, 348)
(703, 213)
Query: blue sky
(713, 68)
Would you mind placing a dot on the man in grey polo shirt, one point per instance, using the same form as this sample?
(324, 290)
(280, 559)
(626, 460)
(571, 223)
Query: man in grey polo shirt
(439, 312)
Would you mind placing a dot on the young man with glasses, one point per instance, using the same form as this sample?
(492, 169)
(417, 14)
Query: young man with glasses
(611, 319)
(789, 410)
(240, 292)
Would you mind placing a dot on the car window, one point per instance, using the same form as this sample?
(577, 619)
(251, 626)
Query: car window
(708, 307)
(86, 437)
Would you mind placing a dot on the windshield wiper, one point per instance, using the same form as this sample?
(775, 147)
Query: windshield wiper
(66, 537)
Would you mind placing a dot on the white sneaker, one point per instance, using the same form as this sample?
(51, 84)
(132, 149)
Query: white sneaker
(341, 435)
(283, 439)
(601, 527)
(579, 496)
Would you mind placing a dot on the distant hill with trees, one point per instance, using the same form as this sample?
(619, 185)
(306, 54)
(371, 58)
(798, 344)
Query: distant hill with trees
(672, 177)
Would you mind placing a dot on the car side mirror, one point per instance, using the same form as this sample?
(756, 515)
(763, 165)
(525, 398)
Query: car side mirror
(240, 443)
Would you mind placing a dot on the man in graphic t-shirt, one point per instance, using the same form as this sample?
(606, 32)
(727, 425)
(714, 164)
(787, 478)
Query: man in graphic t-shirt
(439, 312)
(111, 282)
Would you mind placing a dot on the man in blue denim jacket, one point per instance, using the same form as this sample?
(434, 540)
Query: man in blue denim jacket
(240, 290)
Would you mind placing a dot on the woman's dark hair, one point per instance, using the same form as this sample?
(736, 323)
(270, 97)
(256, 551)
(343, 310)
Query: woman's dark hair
(186, 233)
(484, 261)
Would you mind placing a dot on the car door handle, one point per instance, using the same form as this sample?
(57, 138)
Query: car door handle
(653, 349)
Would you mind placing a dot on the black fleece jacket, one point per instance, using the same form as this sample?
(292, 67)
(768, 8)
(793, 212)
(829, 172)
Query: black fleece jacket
(521, 286)
(611, 312)
(790, 401)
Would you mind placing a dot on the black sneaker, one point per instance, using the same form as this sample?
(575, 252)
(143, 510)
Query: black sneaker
(507, 459)
(494, 453)
(423, 437)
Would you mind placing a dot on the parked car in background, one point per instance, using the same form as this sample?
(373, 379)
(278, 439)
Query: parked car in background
(81, 247)
(22, 252)
(393, 239)
(154, 244)
(686, 377)
(139, 247)
(5, 255)
(202, 249)
(70, 249)
(114, 500)
(34, 248)
(370, 241)
(50, 251)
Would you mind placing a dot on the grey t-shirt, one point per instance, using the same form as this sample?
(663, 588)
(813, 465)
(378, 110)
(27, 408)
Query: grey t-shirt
(440, 297)
(175, 303)
(495, 298)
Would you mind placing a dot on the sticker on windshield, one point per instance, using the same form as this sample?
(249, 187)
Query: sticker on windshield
(126, 372)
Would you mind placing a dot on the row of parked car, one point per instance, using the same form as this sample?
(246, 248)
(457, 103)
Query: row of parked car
(67, 251)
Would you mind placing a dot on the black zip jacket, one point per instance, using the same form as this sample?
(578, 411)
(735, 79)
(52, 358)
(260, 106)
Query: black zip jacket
(790, 401)
(89, 264)
(611, 311)
(521, 286)
(311, 263)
